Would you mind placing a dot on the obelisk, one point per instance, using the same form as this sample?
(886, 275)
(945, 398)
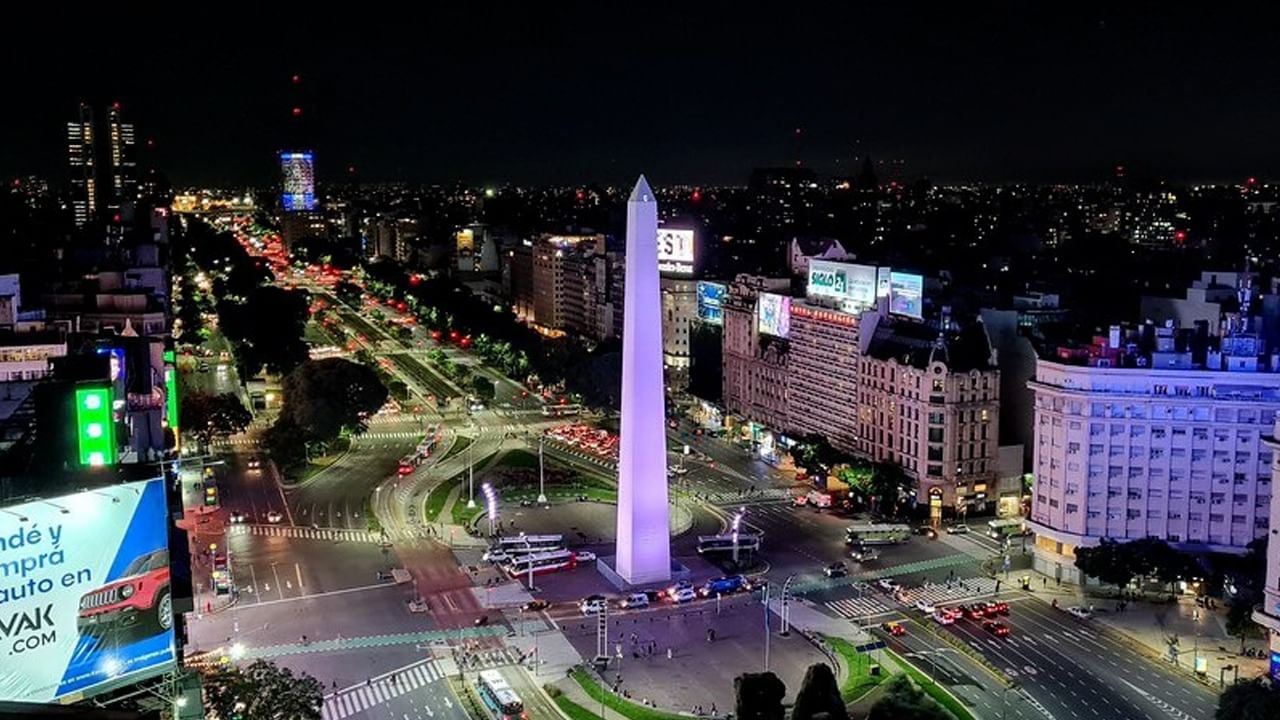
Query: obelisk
(644, 527)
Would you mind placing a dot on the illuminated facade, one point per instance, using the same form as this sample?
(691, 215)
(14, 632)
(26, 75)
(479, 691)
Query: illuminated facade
(644, 537)
(1268, 614)
(101, 160)
(822, 377)
(298, 189)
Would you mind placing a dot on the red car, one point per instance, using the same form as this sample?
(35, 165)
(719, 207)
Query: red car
(140, 599)
(973, 612)
(998, 629)
(895, 629)
(997, 608)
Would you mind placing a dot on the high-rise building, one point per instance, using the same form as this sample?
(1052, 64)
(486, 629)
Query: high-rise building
(822, 374)
(298, 181)
(100, 155)
(755, 362)
(679, 310)
(1268, 614)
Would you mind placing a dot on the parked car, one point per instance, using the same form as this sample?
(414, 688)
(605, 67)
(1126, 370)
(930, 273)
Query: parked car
(139, 599)
(684, 595)
(635, 600)
(835, 570)
(274, 516)
(670, 591)
(998, 629)
(1079, 612)
(584, 556)
(384, 576)
(237, 517)
(536, 605)
(894, 628)
(495, 556)
(593, 604)
(957, 529)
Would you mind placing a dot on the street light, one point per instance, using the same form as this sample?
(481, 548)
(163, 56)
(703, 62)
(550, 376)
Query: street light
(766, 626)
(542, 487)
(471, 480)
(737, 523)
(786, 606)
(491, 505)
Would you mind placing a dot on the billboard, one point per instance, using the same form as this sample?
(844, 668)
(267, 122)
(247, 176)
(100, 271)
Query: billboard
(84, 593)
(773, 315)
(675, 252)
(905, 294)
(711, 302)
(297, 170)
(882, 282)
(853, 285)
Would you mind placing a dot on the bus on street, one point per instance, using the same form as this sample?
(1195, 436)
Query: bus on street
(543, 562)
(498, 697)
(877, 534)
(1008, 527)
(564, 410)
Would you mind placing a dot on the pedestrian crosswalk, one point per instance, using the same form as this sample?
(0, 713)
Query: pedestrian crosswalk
(857, 608)
(750, 496)
(376, 691)
(306, 533)
(958, 590)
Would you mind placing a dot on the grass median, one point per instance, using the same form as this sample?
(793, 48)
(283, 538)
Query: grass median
(931, 688)
(617, 703)
(858, 680)
(436, 500)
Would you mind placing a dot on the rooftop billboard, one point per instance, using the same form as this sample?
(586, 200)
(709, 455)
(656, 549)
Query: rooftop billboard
(675, 252)
(773, 315)
(711, 302)
(854, 286)
(905, 295)
(85, 600)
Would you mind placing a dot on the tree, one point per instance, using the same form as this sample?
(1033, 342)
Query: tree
(819, 696)
(758, 696)
(262, 691)
(904, 701)
(888, 486)
(1239, 621)
(267, 328)
(286, 442)
(209, 416)
(1254, 699)
(1108, 562)
(325, 397)
(483, 388)
(814, 453)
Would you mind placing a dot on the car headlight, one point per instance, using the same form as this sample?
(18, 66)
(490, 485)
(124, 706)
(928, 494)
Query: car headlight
(126, 591)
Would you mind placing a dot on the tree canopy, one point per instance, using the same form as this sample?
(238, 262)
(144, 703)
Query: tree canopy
(902, 700)
(267, 329)
(262, 691)
(325, 397)
(208, 416)
(1254, 699)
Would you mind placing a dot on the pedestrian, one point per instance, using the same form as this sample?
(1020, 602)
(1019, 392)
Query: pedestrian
(668, 653)
(368, 682)
(713, 709)
(1044, 582)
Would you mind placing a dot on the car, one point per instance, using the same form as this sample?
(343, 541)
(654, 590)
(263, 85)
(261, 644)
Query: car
(419, 606)
(536, 605)
(482, 621)
(139, 600)
(1079, 612)
(997, 608)
(495, 556)
(864, 555)
(684, 595)
(204, 367)
(274, 516)
(835, 570)
(957, 529)
(887, 584)
(800, 500)
(237, 517)
(925, 606)
(526, 502)
(384, 576)
(973, 612)
(584, 556)
(677, 587)
(894, 628)
(593, 604)
(254, 463)
(998, 629)
(943, 616)
(635, 600)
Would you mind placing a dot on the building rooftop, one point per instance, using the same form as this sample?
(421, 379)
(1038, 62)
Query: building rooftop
(917, 344)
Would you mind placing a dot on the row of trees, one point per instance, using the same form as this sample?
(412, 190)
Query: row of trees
(323, 400)
(874, 486)
(208, 416)
(1120, 563)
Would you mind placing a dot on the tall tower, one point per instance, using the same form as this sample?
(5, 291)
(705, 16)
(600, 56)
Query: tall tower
(100, 152)
(82, 157)
(644, 532)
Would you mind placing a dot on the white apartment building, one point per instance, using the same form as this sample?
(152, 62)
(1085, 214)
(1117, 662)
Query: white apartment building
(1268, 615)
(679, 308)
(1178, 454)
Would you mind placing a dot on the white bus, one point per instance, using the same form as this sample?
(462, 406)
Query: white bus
(564, 410)
(509, 548)
(708, 544)
(1008, 527)
(543, 562)
(877, 534)
(498, 696)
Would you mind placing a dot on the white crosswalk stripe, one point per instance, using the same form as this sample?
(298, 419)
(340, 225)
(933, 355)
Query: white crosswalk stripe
(959, 591)
(359, 698)
(737, 498)
(853, 608)
(306, 533)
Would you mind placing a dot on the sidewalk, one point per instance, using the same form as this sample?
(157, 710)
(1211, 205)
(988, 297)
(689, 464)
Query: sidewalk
(1200, 632)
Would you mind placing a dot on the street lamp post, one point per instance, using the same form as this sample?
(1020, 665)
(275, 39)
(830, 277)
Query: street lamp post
(766, 626)
(542, 487)
(491, 506)
(471, 480)
(786, 605)
(737, 523)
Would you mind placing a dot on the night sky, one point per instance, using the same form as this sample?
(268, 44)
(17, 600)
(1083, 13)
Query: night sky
(505, 92)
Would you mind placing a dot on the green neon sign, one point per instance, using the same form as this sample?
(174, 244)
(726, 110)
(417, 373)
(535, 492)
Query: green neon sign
(95, 427)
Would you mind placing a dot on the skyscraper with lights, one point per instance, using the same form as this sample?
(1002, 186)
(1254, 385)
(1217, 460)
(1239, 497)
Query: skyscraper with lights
(102, 161)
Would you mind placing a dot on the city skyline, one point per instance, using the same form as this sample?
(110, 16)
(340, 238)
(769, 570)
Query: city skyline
(1005, 95)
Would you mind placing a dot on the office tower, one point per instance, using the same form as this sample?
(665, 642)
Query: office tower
(100, 154)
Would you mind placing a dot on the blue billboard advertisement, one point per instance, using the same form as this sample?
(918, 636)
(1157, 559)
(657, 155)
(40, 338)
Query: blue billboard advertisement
(773, 315)
(711, 302)
(905, 294)
(84, 593)
(297, 170)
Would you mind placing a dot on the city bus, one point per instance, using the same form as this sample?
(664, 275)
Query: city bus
(877, 534)
(511, 547)
(708, 544)
(561, 410)
(498, 697)
(1008, 527)
(543, 562)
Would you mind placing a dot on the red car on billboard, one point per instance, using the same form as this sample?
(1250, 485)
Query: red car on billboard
(140, 600)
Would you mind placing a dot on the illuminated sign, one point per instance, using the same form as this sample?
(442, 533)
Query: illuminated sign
(773, 315)
(85, 599)
(297, 170)
(882, 282)
(466, 241)
(675, 251)
(830, 317)
(711, 302)
(854, 286)
(95, 426)
(905, 293)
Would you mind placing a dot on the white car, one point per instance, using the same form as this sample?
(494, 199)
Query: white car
(958, 530)
(684, 595)
(237, 517)
(1082, 613)
(419, 606)
(274, 516)
(584, 556)
(943, 617)
(925, 607)
(495, 556)
(887, 584)
(635, 600)
(593, 604)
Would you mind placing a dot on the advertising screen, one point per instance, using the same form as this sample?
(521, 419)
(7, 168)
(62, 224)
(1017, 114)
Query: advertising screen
(675, 252)
(773, 315)
(297, 170)
(853, 285)
(905, 293)
(711, 302)
(882, 282)
(84, 592)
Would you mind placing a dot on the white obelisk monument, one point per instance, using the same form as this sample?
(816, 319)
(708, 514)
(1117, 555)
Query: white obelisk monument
(644, 532)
